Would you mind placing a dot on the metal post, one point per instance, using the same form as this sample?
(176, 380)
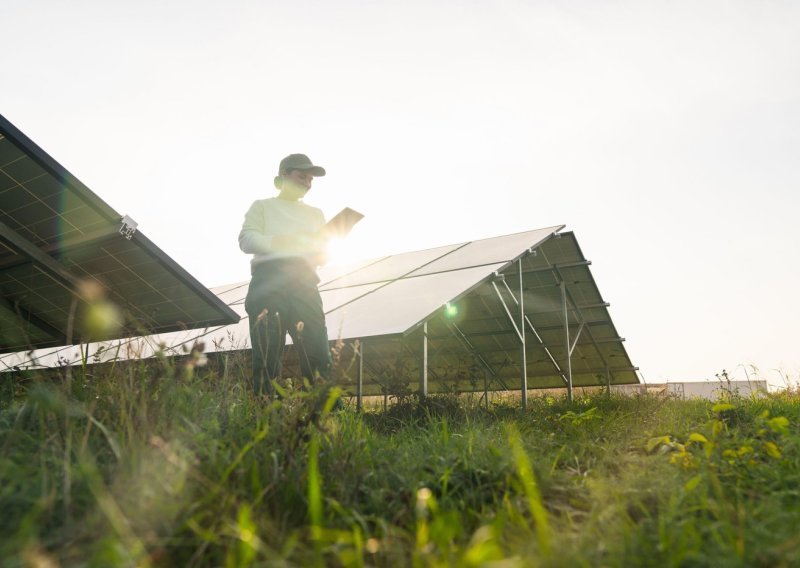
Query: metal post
(608, 380)
(530, 326)
(567, 349)
(423, 378)
(486, 389)
(580, 317)
(360, 387)
(522, 337)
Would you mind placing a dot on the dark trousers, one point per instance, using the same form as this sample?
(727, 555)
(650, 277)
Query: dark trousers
(287, 290)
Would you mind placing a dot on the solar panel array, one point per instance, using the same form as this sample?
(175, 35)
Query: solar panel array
(463, 301)
(467, 296)
(58, 241)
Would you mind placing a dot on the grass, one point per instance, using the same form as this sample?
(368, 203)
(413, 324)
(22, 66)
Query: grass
(172, 464)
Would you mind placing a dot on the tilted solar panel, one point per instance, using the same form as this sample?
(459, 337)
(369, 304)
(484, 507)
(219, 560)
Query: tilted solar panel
(61, 247)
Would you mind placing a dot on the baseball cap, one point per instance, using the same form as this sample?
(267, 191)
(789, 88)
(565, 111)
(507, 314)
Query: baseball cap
(300, 162)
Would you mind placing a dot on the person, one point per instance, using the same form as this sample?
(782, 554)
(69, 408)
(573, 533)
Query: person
(287, 240)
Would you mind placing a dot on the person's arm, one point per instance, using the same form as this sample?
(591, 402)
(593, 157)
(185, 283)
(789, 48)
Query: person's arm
(251, 238)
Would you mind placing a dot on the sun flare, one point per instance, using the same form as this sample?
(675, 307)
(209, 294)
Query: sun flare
(343, 251)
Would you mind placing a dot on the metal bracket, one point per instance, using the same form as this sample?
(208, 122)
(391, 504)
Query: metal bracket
(508, 311)
(128, 227)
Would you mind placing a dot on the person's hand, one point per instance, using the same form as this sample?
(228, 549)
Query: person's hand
(316, 242)
(309, 243)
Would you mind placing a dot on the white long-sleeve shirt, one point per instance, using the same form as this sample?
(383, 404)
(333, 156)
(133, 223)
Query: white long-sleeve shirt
(268, 218)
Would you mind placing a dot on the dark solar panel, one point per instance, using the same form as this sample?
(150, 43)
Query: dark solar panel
(56, 235)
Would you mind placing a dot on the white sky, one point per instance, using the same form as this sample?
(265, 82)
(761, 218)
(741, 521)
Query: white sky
(665, 134)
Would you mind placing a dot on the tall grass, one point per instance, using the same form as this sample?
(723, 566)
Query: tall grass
(173, 464)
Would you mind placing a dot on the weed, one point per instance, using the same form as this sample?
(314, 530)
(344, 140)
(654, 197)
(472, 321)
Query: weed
(174, 462)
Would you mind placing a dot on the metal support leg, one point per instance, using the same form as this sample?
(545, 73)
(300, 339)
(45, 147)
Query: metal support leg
(522, 337)
(360, 387)
(423, 378)
(581, 319)
(531, 327)
(486, 389)
(567, 349)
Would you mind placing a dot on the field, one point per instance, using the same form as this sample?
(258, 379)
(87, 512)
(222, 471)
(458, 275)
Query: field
(175, 464)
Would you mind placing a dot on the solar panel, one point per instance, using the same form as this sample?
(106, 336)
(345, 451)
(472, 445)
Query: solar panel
(58, 239)
(331, 272)
(399, 306)
(487, 251)
(474, 328)
(389, 268)
(339, 298)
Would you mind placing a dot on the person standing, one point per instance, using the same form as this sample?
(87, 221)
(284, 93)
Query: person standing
(287, 240)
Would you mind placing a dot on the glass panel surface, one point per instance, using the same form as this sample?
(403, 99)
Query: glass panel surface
(486, 251)
(333, 299)
(396, 307)
(390, 268)
(331, 272)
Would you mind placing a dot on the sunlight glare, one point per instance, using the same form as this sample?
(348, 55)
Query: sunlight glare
(342, 251)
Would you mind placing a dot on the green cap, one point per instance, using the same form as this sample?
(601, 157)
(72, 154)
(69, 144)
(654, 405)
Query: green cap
(300, 162)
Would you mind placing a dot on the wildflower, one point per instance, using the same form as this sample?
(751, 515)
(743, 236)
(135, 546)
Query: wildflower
(336, 351)
(423, 497)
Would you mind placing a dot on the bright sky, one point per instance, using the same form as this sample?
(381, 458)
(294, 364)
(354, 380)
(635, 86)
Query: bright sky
(665, 134)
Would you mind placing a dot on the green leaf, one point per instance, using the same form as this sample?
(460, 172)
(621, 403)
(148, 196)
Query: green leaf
(314, 487)
(246, 531)
(779, 424)
(772, 449)
(693, 482)
(330, 402)
(531, 489)
(697, 437)
(722, 407)
(654, 443)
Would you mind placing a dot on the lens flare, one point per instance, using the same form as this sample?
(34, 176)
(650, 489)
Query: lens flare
(339, 251)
